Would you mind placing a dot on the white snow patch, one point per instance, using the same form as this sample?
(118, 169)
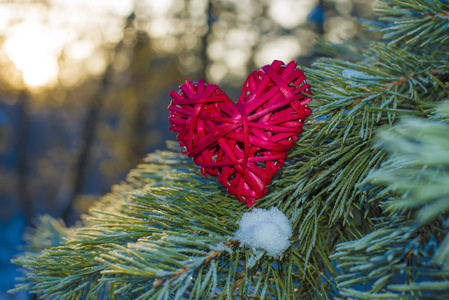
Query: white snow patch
(269, 230)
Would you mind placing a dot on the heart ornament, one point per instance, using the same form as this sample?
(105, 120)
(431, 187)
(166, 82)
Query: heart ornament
(243, 144)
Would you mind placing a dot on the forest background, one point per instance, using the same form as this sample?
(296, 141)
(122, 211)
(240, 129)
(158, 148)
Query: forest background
(84, 87)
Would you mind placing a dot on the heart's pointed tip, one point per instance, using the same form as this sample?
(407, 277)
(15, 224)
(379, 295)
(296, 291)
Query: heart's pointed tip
(250, 202)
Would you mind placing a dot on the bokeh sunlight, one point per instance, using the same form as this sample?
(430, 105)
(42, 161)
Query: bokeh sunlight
(33, 49)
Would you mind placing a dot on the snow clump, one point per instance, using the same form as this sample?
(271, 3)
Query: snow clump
(269, 230)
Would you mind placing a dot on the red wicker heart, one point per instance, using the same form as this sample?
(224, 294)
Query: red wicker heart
(243, 144)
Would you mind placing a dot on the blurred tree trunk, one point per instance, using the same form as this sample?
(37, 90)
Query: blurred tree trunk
(87, 140)
(142, 57)
(150, 75)
(89, 131)
(23, 133)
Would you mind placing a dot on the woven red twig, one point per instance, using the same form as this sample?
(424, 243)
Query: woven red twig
(243, 144)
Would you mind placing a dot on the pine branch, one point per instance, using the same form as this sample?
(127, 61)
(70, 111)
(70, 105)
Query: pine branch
(336, 151)
(413, 248)
(47, 233)
(184, 270)
(419, 169)
(417, 23)
(129, 239)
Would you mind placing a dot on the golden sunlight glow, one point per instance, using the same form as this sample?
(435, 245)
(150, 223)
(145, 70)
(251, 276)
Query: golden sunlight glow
(4, 17)
(33, 50)
(61, 42)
